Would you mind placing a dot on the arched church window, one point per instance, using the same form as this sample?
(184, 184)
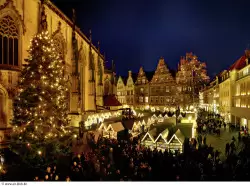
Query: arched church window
(8, 42)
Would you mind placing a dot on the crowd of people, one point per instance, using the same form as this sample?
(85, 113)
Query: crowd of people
(112, 160)
(126, 160)
(210, 123)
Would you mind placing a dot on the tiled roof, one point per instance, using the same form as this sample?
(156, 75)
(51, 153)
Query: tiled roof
(110, 100)
(239, 64)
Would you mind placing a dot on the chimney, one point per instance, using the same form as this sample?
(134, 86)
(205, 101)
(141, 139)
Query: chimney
(129, 73)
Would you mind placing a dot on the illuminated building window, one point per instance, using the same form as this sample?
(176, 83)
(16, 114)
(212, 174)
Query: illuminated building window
(237, 104)
(167, 89)
(146, 99)
(141, 90)
(143, 81)
(245, 72)
(141, 99)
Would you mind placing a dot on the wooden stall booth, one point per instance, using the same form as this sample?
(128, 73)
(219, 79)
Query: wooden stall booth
(148, 139)
(113, 129)
(161, 140)
(176, 142)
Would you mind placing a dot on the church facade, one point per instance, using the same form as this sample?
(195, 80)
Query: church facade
(19, 23)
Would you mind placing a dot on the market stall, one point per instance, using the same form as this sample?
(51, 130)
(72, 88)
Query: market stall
(176, 142)
(113, 129)
(148, 139)
(161, 140)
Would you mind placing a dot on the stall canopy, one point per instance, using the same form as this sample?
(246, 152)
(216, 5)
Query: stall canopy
(149, 135)
(186, 129)
(163, 135)
(103, 126)
(179, 136)
(116, 127)
(111, 101)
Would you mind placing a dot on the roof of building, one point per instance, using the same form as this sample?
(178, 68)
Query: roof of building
(239, 64)
(63, 16)
(163, 135)
(179, 135)
(111, 101)
(117, 127)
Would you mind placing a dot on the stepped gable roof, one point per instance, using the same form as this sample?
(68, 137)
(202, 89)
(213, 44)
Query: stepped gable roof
(239, 64)
(149, 75)
(124, 79)
(111, 101)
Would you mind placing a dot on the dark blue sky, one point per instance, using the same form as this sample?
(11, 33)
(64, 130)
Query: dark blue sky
(139, 32)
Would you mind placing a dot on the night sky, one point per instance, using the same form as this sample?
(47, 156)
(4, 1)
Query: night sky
(137, 33)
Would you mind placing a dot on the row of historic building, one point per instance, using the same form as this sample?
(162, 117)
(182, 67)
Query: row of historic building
(164, 88)
(90, 82)
(229, 92)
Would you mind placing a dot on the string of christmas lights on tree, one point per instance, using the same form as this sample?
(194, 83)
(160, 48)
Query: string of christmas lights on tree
(40, 124)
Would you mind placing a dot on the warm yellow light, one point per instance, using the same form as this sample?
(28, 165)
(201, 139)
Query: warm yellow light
(39, 152)
(75, 136)
(190, 118)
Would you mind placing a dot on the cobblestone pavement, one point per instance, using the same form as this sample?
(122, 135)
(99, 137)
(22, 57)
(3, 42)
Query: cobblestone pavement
(219, 142)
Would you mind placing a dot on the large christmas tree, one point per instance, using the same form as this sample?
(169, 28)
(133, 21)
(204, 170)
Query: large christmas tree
(40, 125)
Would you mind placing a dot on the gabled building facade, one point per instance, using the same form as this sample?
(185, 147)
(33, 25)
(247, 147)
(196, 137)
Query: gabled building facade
(232, 92)
(121, 90)
(162, 87)
(130, 89)
(141, 89)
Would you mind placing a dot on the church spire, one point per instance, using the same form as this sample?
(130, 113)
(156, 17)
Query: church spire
(43, 21)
